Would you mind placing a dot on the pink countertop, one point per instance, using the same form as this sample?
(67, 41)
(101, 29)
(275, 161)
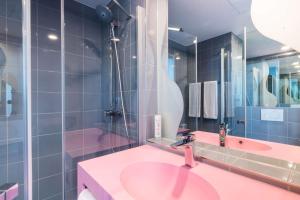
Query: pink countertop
(276, 150)
(102, 176)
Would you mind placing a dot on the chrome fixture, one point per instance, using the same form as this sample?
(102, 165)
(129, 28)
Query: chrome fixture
(112, 113)
(104, 11)
(177, 29)
(119, 78)
(115, 39)
(105, 15)
(186, 142)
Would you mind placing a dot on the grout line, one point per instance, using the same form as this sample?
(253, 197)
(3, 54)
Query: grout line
(51, 176)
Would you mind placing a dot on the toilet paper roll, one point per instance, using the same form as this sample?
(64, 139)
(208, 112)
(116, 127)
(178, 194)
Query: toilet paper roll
(86, 195)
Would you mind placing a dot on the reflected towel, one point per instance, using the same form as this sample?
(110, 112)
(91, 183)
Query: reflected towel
(195, 99)
(210, 104)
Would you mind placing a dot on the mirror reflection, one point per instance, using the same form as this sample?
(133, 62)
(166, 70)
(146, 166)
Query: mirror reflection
(231, 73)
(10, 82)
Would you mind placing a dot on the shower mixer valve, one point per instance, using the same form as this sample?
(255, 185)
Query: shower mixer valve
(112, 113)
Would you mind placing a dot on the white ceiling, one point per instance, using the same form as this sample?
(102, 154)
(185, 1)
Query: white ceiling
(210, 18)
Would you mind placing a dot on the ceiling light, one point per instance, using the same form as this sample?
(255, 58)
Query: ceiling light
(298, 56)
(295, 63)
(297, 66)
(298, 71)
(177, 58)
(285, 48)
(52, 36)
(177, 29)
(195, 41)
(133, 57)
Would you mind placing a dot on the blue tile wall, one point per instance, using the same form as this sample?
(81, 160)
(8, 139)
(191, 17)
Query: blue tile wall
(12, 126)
(286, 132)
(86, 83)
(92, 86)
(209, 62)
(46, 94)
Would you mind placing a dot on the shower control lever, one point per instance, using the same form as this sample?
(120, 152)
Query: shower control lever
(240, 121)
(112, 113)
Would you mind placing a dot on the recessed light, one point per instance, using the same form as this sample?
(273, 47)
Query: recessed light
(297, 66)
(52, 36)
(295, 63)
(298, 71)
(285, 48)
(298, 56)
(177, 58)
(195, 41)
(133, 57)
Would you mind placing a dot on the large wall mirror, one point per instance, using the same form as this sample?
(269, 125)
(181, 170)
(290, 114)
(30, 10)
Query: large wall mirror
(228, 71)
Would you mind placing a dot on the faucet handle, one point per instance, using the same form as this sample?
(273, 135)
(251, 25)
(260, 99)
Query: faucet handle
(184, 132)
(186, 137)
(183, 139)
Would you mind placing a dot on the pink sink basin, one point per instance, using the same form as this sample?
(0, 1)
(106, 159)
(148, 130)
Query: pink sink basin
(154, 180)
(233, 142)
(241, 143)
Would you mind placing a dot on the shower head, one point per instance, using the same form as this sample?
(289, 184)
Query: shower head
(104, 13)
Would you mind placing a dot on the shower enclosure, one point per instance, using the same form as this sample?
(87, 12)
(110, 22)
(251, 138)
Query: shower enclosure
(67, 93)
(182, 69)
(101, 96)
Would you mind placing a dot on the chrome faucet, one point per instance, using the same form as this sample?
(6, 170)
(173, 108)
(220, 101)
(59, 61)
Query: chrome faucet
(186, 142)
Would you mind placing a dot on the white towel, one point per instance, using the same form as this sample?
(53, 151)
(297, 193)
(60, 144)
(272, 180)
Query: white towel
(210, 104)
(195, 99)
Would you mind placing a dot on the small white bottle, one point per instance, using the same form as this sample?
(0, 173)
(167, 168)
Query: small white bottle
(157, 126)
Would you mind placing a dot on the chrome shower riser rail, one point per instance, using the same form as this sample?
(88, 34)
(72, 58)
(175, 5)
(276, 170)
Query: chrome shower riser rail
(120, 83)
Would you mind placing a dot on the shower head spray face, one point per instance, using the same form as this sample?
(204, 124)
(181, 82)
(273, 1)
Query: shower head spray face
(104, 13)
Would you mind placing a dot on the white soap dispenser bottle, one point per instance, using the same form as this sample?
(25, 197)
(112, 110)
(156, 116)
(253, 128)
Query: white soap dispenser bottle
(157, 126)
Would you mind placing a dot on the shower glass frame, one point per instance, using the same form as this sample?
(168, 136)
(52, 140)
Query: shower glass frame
(237, 123)
(26, 34)
(174, 58)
